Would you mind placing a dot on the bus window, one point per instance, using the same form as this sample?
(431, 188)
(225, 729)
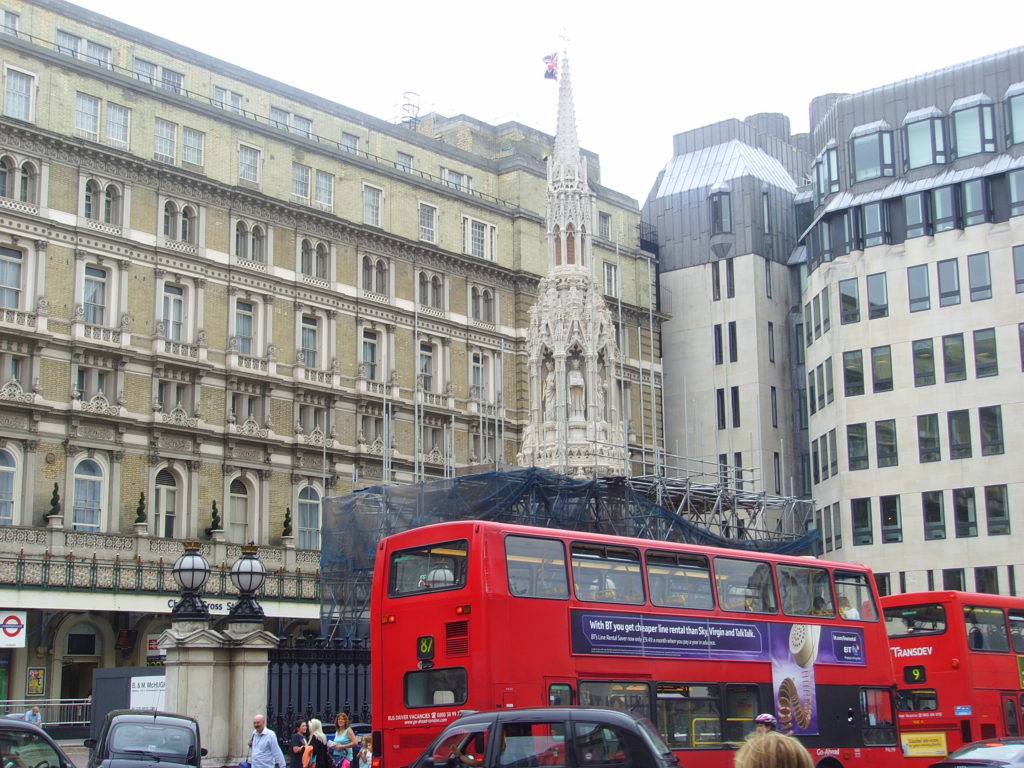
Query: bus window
(856, 601)
(679, 580)
(986, 628)
(744, 585)
(917, 700)
(536, 567)
(560, 695)
(607, 574)
(633, 697)
(424, 569)
(1017, 630)
(913, 620)
(805, 591)
(1010, 716)
(436, 687)
(741, 707)
(876, 717)
(689, 715)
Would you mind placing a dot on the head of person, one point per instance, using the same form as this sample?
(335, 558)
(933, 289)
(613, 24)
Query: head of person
(342, 720)
(35, 710)
(367, 740)
(772, 750)
(316, 728)
(259, 723)
(765, 722)
(300, 726)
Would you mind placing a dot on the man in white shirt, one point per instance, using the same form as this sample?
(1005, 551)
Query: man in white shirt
(266, 752)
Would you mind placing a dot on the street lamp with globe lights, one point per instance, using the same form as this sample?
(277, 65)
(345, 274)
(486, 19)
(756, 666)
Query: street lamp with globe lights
(248, 575)
(191, 572)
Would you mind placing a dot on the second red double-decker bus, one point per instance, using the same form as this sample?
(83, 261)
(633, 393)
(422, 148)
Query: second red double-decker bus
(482, 615)
(959, 669)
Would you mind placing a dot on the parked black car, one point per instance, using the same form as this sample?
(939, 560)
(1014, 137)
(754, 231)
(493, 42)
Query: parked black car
(563, 736)
(25, 745)
(1007, 752)
(137, 738)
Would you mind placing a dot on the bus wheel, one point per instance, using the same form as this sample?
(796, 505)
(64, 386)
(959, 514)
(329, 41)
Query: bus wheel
(829, 762)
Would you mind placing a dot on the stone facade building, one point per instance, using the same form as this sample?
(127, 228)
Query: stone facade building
(223, 298)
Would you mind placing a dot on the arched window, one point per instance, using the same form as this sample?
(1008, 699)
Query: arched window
(309, 519)
(322, 261)
(241, 240)
(488, 307)
(570, 245)
(238, 512)
(381, 282)
(90, 207)
(259, 244)
(307, 258)
(424, 289)
(165, 505)
(112, 205)
(7, 472)
(28, 182)
(170, 219)
(436, 292)
(87, 502)
(7, 175)
(367, 273)
(188, 224)
(474, 304)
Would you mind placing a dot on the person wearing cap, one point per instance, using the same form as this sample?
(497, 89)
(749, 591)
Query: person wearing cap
(765, 722)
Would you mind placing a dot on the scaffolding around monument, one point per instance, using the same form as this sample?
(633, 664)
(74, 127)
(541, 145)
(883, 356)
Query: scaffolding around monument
(694, 508)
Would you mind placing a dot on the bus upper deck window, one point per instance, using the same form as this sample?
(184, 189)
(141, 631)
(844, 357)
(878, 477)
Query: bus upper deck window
(428, 568)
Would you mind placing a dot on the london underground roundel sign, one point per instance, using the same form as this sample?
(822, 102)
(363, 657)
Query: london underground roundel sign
(12, 629)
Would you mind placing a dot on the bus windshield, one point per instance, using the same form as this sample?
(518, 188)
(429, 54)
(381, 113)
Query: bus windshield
(425, 569)
(908, 620)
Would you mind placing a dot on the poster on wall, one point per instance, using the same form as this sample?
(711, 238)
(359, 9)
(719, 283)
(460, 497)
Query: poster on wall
(35, 684)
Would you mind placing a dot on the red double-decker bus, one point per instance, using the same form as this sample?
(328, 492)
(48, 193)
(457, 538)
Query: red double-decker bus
(482, 615)
(959, 669)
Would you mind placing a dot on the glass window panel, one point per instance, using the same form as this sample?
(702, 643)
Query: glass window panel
(679, 580)
(744, 585)
(924, 362)
(980, 276)
(949, 283)
(536, 567)
(857, 446)
(917, 288)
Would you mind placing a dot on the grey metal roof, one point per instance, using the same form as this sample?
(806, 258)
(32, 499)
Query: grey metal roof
(901, 187)
(1014, 89)
(967, 102)
(719, 164)
(868, 128)
(921, 114)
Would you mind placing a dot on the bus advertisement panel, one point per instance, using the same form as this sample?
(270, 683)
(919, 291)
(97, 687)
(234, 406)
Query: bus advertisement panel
(481, 615)
(959, 669)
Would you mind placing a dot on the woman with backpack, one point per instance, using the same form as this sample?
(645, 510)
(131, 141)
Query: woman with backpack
(319, 755)
(298, 742)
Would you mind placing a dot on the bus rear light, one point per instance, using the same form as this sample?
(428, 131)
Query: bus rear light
(954, 663)
(389, 618)
(462, 610)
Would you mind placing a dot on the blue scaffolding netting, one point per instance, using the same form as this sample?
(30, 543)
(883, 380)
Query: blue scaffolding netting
(353, 525)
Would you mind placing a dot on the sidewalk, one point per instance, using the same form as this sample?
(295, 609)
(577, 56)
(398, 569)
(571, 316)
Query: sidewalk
(73, 748)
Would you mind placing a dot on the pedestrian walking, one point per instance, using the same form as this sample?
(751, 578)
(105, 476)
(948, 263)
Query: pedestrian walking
(264, 750)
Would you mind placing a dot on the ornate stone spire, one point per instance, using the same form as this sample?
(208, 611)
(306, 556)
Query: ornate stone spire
(575, 419)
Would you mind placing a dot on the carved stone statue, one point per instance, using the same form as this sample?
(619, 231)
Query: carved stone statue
(577, 387)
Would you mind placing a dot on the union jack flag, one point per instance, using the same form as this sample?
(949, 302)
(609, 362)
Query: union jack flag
(551, 61)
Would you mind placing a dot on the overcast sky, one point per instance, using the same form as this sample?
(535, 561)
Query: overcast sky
(642, 70)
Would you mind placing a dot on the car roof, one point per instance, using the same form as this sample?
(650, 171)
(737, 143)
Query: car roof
(16, 724)
(149, 715)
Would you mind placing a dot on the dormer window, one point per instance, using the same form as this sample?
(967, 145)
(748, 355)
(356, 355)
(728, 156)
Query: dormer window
(871, 151)
(924, 133)
(973, 120)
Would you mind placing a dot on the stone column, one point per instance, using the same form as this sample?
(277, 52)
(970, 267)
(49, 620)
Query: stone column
(219, 678)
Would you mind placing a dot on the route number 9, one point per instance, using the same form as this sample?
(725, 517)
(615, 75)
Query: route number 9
(914, 674)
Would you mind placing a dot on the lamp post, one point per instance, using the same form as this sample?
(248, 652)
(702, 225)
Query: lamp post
(248, 575)
(191, 571)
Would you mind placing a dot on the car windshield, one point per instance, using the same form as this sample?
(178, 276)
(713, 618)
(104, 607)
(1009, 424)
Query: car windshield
(990, 750)
(156, 738)
(26, 748)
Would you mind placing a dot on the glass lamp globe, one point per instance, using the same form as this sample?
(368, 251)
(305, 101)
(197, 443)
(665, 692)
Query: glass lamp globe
(191, 570)
(247, 572)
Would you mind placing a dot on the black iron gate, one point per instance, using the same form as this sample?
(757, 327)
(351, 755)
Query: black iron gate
(317, 682)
